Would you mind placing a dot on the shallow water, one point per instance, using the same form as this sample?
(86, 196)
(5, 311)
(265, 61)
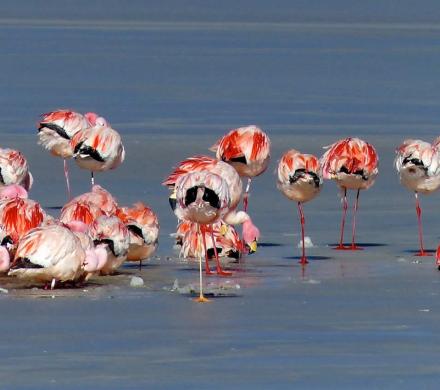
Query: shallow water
(172, 80)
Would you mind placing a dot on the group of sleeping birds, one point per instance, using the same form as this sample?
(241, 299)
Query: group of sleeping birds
(95, 236)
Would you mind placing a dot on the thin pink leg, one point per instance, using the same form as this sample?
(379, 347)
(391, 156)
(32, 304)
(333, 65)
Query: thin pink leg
(344, 214)
(92, 178)
(66, 174)
(207, 269)
(246, 194)
(219, 268)
(303, 259)
(354, 247)
(419, 220)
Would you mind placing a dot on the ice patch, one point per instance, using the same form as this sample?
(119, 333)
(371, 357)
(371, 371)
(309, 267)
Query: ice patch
(136, 281)
(307, 242)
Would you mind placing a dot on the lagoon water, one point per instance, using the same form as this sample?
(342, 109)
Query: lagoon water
(172, 78)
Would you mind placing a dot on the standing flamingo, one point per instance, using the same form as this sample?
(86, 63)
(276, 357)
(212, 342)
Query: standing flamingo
(300, 180)
(417, 163)
(251, 234)
(352, 163)
(98, 148)
(247, 149)
(203, 198)
(55, 131)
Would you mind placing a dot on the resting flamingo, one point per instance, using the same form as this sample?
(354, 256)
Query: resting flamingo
(251, 234)
(418, 165)
(247, 149)
(352, 163)
(300, 180)
(203, 198)
(98, 148)
(55, 131)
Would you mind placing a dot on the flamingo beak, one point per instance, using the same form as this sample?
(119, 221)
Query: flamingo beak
(173, 201)
(253, 246)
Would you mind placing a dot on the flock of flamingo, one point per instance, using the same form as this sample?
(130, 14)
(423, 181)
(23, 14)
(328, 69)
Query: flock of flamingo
(95, 236)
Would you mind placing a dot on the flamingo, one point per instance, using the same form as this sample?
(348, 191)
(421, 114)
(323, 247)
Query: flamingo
(227, 240)
(247, 149)
(300, 180)
(55, 131)
(98, 148)
(352, 163)
(111, 232)
(143, 228)
(203, 198)
(51, 253)
(417, 163)
(14, 169)
(251, 234)
(18, 216)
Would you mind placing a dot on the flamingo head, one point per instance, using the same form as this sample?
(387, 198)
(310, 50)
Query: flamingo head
(5, 259)
(13, 191)
(251, 235)
(95, 259)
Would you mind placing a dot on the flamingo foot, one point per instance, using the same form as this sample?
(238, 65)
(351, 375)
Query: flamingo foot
(220, 272)
(424, 253)
(201, 299)
(208, 271)
(354, 247)
(341, 247)
(303, 260)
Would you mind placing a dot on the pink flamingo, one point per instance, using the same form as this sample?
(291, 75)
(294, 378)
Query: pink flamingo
(417, 163)
(300, 180)
(49, 254)
(247, 149)
(55, 131)
(98, 148)
(113, 234)
(14, 169)
(251, 234)
(143, 228)
(203, 198)
(352, 163)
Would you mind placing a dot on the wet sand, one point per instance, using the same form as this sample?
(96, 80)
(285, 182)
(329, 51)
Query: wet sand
(172, 83)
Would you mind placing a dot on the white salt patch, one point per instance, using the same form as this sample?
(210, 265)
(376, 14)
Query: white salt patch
(136, 281)
(307, 242)
(4, 290)
(402, 260)
(312, 281)
(425, 310)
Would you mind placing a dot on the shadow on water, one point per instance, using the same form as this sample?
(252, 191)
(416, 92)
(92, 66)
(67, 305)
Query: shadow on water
(53, 207)
(313, 258)
(361, 244)
(413, 252)
(269, 244)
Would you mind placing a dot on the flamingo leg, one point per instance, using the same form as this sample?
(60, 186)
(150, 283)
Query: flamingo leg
(303, 259)
(419, 221)
(201, 298)
(92, 178)
(344, 214)
(219, 267)
(355, 208)
(66, 175)
(207, 269)
(246, 194)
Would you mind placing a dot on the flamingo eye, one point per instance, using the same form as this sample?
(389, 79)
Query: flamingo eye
(211, 197)
(191, 195)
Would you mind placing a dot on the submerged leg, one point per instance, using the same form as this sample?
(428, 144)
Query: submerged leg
(344, 214)
(207, 269)
(246, 194)
(92, 178)
(355, 208)
(201, 298)
(219, 268)
(419, 221)
(66, 175)
(303, 259)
